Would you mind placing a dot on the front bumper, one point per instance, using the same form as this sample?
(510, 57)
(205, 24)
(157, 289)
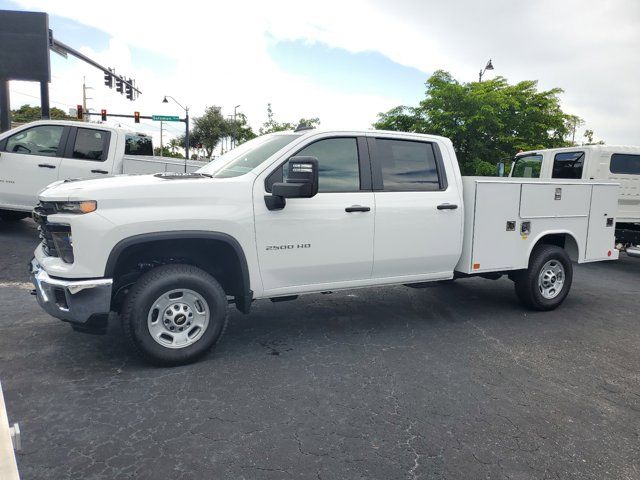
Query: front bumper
(74, 301)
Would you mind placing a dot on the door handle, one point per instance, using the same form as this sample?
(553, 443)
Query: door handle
(99, 171)
(447, 206)
(46, 165)
(356, 208)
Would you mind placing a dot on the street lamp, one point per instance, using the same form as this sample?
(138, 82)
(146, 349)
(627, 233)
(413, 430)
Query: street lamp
(186, 137)
(482, 71)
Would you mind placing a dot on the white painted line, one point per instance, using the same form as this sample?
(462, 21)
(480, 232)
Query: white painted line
(8, 465)
(22, 285)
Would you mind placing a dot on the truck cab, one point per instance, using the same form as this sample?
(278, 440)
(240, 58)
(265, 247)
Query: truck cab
(35, 155)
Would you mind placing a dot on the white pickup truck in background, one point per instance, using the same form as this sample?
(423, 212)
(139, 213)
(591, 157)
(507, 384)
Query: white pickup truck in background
(594, 162)
(39, 153)
(301, 212)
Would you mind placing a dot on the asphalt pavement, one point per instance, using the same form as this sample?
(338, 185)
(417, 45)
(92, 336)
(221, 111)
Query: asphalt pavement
(455, 382)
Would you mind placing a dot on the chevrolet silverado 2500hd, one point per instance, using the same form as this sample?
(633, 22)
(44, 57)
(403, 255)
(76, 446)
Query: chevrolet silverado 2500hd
(39, 153)
(301, 212)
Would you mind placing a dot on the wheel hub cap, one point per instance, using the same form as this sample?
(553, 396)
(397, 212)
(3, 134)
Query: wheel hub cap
(551, 279)
(178, 318)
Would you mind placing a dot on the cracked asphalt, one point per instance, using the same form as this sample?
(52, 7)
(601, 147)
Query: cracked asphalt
(455, 382)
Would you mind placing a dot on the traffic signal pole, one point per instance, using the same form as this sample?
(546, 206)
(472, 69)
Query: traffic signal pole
(5, 108)
(186, 139)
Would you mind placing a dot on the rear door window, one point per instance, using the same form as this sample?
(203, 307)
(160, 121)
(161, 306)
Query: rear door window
(407, 165)
(91, 145)
(568, 165)
(625, 164)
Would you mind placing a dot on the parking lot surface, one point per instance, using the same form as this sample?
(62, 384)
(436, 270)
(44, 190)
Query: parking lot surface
(446, 382)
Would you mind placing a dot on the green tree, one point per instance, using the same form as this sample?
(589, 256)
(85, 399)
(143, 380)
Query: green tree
(167, 151)
(239, 130)
(174, 145)
(573, 123)
(212, 127)
(588, 134)
(271, 125)
(29, 113)
(487, 121)
(208, 130)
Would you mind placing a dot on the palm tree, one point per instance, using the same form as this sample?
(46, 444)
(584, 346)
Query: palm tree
(174, 144)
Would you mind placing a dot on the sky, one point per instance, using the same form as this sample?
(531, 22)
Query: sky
(343, 62)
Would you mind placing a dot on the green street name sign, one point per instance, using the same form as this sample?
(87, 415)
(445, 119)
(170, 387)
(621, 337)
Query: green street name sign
(165, 118)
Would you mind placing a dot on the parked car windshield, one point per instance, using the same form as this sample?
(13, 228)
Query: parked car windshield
(527, 166)
(247, 156)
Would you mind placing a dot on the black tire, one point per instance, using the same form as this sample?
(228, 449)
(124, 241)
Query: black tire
(11, 216)
(149, 288)
(528, 284)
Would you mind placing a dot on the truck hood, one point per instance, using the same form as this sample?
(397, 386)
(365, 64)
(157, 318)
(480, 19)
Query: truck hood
(129, 188)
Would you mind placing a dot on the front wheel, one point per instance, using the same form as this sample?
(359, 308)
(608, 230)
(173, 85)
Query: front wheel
(174, 314)
(547, 281)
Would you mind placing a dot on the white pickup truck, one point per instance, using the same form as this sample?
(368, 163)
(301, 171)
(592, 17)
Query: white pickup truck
(301, 212)
(36, 154)
(594, 162)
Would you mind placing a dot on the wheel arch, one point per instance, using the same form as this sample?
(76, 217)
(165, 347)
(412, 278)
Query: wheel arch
(217, 253)
(561, 238)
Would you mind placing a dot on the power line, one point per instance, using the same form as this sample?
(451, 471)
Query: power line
(38, 98)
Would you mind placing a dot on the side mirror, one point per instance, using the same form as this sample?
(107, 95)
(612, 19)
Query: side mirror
(501, 169)
(302, 182)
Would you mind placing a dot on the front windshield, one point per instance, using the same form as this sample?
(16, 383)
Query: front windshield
(527, 166)
(247, 156)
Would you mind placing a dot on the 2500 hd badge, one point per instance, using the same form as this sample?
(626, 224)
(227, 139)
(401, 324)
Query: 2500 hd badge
(288, 246)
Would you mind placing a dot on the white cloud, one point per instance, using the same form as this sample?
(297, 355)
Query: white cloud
(220, 50)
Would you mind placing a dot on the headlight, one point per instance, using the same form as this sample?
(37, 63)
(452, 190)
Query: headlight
(86, 206)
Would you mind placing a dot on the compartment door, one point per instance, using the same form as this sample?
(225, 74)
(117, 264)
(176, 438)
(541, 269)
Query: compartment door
(496, 245)
(601, 233)
(554, 200)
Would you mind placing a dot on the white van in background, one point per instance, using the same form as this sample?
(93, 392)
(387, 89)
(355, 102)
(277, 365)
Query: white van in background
(594, 162)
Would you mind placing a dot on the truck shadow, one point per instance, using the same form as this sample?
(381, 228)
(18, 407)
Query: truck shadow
(388, 317)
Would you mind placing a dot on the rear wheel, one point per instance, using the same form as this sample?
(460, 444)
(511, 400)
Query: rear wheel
(547, 281)
(174, 314)
(12, 216)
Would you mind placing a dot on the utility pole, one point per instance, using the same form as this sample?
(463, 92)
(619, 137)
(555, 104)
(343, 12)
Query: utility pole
(235, 125)
(85, 98)
(161, 146)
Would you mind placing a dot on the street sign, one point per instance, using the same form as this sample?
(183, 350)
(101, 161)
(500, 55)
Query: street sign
(165, 118)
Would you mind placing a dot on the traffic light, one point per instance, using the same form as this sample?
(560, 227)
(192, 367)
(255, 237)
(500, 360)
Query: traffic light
(129, 90)
(118, 85)
(79, 112)
(108, 79)
(136, 117)
(103, 114)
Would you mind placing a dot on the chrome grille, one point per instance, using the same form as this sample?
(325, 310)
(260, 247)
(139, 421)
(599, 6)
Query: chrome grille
(40, 213)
